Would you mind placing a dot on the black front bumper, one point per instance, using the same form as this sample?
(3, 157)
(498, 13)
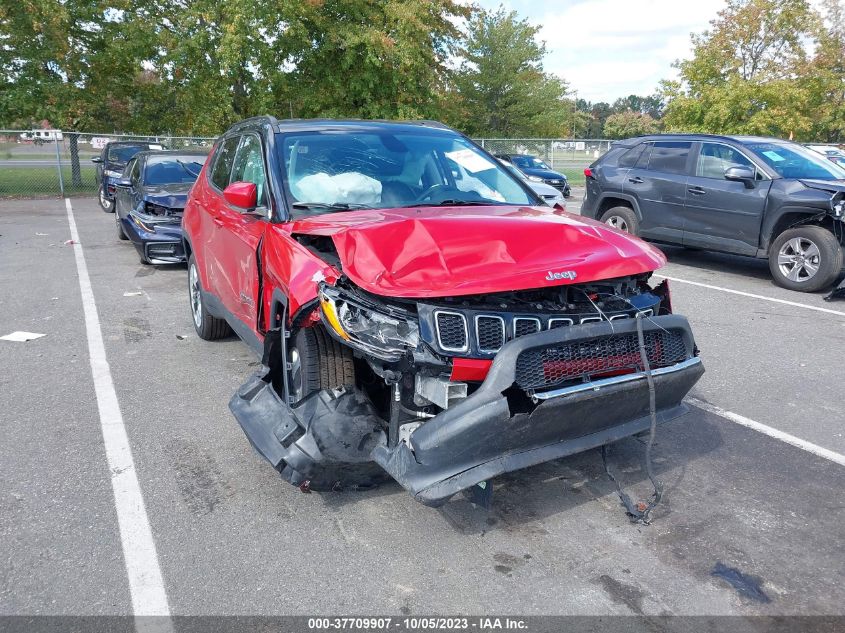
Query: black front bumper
(498, 429)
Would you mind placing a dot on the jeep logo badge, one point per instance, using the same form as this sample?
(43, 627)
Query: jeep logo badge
(564, 274)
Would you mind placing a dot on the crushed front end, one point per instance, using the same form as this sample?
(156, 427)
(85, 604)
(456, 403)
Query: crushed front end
(452, 392)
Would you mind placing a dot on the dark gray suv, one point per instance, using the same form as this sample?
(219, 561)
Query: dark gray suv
(760, 197)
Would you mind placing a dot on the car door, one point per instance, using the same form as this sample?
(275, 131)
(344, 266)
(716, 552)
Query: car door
(722, 214)
(239, 234)
(206, 223)
(658, 181)
(125, 196)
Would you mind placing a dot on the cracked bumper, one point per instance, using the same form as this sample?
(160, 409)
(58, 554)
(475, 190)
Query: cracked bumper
(497, 429)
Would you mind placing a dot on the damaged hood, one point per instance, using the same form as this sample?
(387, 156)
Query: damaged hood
(447, 251)
(172, 196)
(833, 186)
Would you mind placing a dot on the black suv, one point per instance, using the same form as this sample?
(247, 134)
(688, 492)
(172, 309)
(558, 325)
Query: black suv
(761, 197)
(110, 166)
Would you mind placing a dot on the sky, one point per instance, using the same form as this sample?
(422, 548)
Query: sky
(608, 49)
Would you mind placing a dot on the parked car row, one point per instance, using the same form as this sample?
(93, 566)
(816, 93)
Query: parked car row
(760, 197)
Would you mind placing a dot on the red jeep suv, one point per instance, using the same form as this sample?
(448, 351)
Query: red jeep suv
(419, 311)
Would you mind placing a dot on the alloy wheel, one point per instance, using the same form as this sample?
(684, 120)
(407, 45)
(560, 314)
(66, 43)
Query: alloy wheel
(799, 259)
(617, 222)
(196, 296)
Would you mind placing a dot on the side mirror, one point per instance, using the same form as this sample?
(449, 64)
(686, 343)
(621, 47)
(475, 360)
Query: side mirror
(242, 194)
(741, 174)
(97, 160)
(122, 182)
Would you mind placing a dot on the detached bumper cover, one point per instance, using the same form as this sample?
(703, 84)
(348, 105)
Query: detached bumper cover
(498, 429)
(160, 243)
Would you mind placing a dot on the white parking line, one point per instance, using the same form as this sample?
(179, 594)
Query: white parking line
(752, 295)
(804, 445)
(146, 585)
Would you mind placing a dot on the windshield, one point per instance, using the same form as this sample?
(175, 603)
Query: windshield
(529, 162)
(167, 170)
(794, 161)
(331, 171)
(515, 172)
(123, 153)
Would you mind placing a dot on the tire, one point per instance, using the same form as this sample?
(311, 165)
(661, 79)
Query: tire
(105, 204)
(622, 218)
(208, 327)
(806, 258)
(121, 235)
(319, 362)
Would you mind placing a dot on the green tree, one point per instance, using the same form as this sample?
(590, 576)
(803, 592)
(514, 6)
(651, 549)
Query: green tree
(503, 86)
(745, 75)
(826, 75)
(629, 123)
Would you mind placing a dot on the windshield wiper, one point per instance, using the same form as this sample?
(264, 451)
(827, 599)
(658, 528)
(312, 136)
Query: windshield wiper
(455, 203)
(185, 167)
(331, 206)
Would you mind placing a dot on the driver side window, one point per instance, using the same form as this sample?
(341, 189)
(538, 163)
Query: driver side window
(715, 158)
(249, 166)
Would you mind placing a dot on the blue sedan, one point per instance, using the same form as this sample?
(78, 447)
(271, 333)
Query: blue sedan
(149, 199)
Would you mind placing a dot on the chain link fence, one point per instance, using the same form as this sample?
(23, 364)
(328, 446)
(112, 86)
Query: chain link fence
(45, 163)
(36, 163)
(565, 155)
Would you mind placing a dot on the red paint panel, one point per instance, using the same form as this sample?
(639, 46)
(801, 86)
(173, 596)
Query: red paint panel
(427, 252)
(470, 369)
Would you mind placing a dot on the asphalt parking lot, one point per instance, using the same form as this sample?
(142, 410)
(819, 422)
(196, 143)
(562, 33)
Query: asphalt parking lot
(232, 538)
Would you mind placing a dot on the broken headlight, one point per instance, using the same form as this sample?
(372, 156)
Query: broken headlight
(837, 203)
(385, 336)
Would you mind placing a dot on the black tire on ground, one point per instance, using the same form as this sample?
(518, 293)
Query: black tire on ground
(120, 234)
(325, 363)
(208, 327)
(622, 218)
(821, 250)
(105, 204)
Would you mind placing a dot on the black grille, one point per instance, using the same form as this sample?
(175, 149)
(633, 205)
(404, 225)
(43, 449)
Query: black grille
(491, 333)
(452, 331)
(545, 367)
(521, 327)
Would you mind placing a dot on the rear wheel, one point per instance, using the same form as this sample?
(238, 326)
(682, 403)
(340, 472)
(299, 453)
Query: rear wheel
(106, 204)
(208, 327)
(622, 218)
(806, 258)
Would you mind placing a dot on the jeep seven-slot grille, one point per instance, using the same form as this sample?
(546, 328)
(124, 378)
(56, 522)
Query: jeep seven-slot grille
(545, 367)
(486, 333)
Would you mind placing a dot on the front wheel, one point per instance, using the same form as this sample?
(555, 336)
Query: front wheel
(622, 218)
(208, 327)
(106, 204)
(317, 362)
(806, 258)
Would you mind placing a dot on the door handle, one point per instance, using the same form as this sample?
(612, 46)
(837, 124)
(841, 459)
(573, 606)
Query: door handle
(636, 180)
(697, 191)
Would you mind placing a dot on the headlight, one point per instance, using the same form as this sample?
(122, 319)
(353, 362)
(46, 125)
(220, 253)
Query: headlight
(837, 203)
(113, 174)
(535, 179)
(382, 335)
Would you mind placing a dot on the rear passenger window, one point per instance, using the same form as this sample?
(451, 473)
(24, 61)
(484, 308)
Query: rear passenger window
(669, 157)
(223, 159)
(629, 158)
